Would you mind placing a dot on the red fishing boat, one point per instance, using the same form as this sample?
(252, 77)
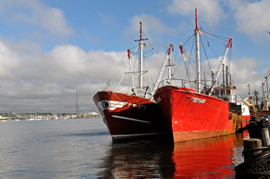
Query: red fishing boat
(131, 112)
(201, 112)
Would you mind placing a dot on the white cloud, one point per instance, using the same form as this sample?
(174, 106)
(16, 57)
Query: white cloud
(153, 28)
(43, 82)
(54, 20)
(8, 61)
(253, 18)
(209, 11)
(150, 24)
(37, 14)
(46, 81)
(244, 73)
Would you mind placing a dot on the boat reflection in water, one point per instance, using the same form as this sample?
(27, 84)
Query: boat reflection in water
(207, 158)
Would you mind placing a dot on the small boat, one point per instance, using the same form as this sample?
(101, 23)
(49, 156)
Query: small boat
(194, 112)
(131, 113)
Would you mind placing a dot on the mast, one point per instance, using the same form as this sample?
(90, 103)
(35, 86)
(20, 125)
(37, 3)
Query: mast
(198, 65)
(140, 60)
(223, 83)
(227, 74)
(256, 97)
(213, 77)
(267, 92)
(204, 81)
(169, 65)
(140, 64)
(169, 71)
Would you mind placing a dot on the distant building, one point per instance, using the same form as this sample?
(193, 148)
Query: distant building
(92, 115)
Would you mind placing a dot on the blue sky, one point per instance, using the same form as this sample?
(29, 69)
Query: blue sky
(47, 46)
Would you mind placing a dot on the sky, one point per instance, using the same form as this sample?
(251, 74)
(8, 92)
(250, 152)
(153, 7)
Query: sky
(50, 48)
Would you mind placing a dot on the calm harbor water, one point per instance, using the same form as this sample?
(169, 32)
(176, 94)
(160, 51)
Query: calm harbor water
(82, 148)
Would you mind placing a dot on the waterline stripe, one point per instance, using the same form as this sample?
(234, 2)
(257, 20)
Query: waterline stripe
(131, 119)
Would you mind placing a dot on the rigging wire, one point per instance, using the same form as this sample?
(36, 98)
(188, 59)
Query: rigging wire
(188, 43)
(116, 71)
(189, 59)
(209, 44)
(217, 36)
(205, 52)
(135, 65)
(204, 48)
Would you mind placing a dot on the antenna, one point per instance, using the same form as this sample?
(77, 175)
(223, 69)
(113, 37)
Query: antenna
(248, 89)
(262, 91)
(256, 97)
(267, 85)
(77, 105)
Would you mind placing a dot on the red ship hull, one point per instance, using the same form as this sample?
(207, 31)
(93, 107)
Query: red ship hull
(192, 115)
(131, 117)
